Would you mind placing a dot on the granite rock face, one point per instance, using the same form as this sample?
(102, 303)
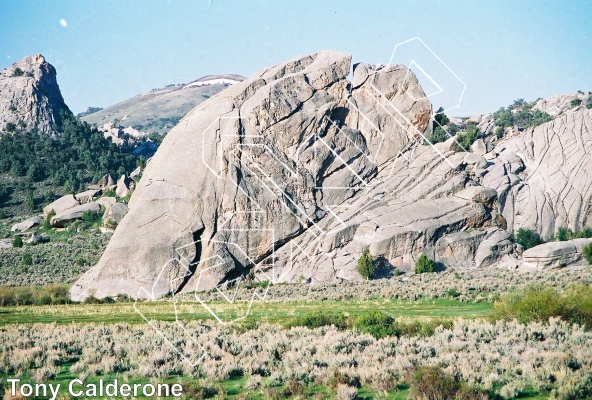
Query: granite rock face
(293, 172)
(255, 166)
(543, 175)
(30, 97)
(554, 254)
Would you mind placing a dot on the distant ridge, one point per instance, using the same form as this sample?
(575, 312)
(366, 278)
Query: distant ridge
(158, 110)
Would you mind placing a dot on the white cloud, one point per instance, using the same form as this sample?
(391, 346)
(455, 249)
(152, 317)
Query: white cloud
(63, 22)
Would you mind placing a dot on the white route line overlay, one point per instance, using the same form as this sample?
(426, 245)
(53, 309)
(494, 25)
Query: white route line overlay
(183, 262)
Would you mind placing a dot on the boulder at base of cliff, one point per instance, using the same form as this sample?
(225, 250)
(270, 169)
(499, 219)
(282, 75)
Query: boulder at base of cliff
(555, 254)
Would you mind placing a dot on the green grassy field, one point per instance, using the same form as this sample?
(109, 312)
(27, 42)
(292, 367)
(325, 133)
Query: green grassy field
(272, 312)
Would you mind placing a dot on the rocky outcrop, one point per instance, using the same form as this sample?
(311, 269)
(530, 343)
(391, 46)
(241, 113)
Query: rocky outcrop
(124, 186)
(30, 97)
(554, 254)
(295, 171)
(542, 176)
(87, 196)
(557, 105)
(71, 214)
(61, 205)
(256, 165)
(27, 224)
(114, 214)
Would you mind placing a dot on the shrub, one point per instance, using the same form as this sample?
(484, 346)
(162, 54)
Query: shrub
(533, 303)
(366, 266)
(321, 318)
(424, 264)
(438, 136)
(47, 222)
(24, 295)
(345, 392)
(520, 114)
(378, 324)
(10, 127)
(17, 72)
(293, 388)
(17, 242)
(465, 139)
(467, 392)
(343, 378)
(499, 132)
(527, 238)
(2, 214)
(587, 253)
(27, 259)
(91, 217)
(575, 102)
(30, 201)
(423, 328)
(199, 390)
(539, 303)
(433, 384)
(440, 118)
(577, 305)
(564, 234)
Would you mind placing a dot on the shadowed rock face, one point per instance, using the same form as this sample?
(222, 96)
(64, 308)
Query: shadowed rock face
(30, 95)
(254, 167)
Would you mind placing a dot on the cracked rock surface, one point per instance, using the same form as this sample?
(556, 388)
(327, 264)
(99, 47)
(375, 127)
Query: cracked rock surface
(253, 167)
(30, 96)
(296, 170)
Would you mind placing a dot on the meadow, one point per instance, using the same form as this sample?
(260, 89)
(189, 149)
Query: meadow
(321, 346)
(366, 340)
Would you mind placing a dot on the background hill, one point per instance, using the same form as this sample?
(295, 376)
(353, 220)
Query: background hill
(158, 110)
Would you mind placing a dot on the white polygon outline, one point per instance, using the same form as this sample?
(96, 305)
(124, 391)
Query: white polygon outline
(150, 296)
(464, 85)
(406, 79)
(368, 187)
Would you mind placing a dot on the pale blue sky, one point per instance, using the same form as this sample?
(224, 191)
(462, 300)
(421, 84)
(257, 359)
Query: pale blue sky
(112, 50)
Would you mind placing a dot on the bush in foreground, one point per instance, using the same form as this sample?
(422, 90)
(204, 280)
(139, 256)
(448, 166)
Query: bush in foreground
(376, 323)
(322, 318)
(432, 383)
(539, 303)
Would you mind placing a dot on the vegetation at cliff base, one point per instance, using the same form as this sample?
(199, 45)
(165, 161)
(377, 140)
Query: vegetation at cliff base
(366, 266)
(424, 264)
(527, 238)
